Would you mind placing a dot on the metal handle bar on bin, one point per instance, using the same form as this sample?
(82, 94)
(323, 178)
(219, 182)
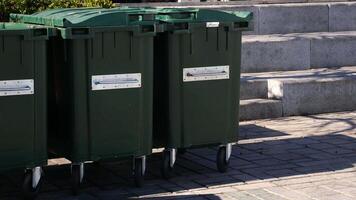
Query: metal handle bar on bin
(15, 89)
(212, 73)
(117, 81)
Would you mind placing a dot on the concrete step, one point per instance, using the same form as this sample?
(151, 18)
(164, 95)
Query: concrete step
(298, 51)
(307, 92)
(305, 17)
(288, 16)
(253, 88)
(324, 91)
(251, 109)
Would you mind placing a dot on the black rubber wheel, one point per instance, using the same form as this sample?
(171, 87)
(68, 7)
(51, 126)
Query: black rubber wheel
(166, 169)
(29, 192)
(221, 162)
(75, 179)
(139, 176)
(182, 151)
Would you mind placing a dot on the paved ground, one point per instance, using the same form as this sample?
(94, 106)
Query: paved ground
(289, 158)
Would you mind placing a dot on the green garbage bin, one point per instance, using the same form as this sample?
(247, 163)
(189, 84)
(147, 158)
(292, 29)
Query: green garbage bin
(197, 79)
(103, 72)
(23, 102)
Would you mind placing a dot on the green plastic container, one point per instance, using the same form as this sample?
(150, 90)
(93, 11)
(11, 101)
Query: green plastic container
(23, 101)
(103, 72)
(197, 80)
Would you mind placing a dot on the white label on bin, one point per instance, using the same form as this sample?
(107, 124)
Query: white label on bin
(212, 24)
(116, 81)
(17, 87)
(206, 73)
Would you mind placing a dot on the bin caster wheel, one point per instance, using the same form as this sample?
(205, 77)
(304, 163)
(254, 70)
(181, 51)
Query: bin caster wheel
(77, 177)
(167, 166)
(221, 162)
(182, 151)
(31, 187)
(139, 171)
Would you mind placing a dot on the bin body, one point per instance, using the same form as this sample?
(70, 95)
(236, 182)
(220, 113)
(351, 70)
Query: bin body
(103, 82)
(99, 123)
(197, 89)
(23, 96)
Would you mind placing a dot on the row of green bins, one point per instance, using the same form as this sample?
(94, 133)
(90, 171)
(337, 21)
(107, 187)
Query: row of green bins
(23, 101)
(103, 85)
(197, 81)
(116, 81)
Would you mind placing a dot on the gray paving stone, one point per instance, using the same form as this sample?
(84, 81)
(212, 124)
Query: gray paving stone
(245, 177)
(304, 151)
(242, 196)
(282, 172)
(351, 146)
(265, 194)
(288, 193)
(305, 141)
(216, 181)
(238, 162)
(338, 151)
(201, 197)
(255, 146)
(280, 167)
(337, 141)
(318, 192)
(322, 156)
(252, 157)
(338, 197)
(287, 156)
(257, 170)
(260, 173)
(188, 185)
(269, 162)
(320, 146)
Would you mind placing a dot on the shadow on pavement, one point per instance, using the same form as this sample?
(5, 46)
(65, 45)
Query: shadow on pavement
(186, 197)
(263, 158)
(252, 131)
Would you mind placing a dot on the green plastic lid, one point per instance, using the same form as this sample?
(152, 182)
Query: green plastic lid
(20, 26)
(14, 26)
(173, 15)
(206, 15)
(87, 17)
(125, 16)
(27, 30)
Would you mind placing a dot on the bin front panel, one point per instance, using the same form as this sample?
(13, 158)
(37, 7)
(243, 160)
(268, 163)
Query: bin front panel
(17, 101)
(120, 99)
(207, 70)
(99, 117)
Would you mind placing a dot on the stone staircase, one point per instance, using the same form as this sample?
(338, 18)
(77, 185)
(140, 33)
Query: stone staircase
(299, 58)
(303, 92)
